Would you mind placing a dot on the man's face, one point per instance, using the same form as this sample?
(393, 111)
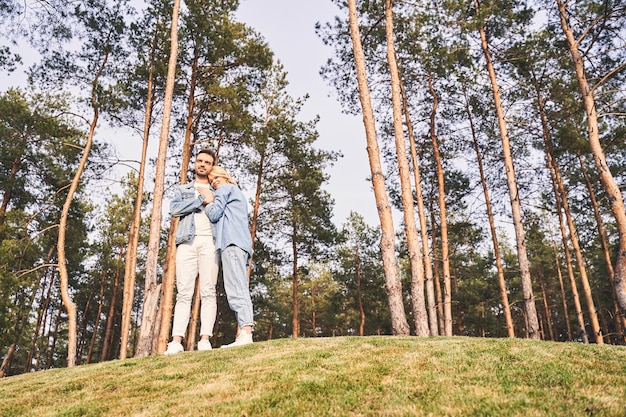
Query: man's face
(203, 164)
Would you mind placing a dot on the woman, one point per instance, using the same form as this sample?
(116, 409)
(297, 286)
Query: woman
(229, 211)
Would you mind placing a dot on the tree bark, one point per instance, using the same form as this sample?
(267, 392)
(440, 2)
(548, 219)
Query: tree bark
(399, 324)
(431, 304)
(606, 177)
(130, 271)
(563, 297)
(147, 334)
(620, 320)
(443, 222)
(408, 206)
(504, 296)
(516, 209)
(295, 300)
(568, 263)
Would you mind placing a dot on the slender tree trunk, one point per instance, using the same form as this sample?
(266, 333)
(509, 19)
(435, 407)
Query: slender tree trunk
(415, 256)
(399, 324)
(82, 329)
(313, 315)
(436, 277)
(606, 177)
(130, 271)
(445, 258)
(107, 340)
(148, 333)
(169, 272)
(359, 296)
(431, 304)
(50, 348)
(620, 320)
(563, 297)
(257, 192)
(256, 206)
(96, 324)
(70, 306)
(560, 188)
(516, 209)
(295, 321)
(570, 269)
(546, 308)
(582, 270)
(504, 296)
(44, 303)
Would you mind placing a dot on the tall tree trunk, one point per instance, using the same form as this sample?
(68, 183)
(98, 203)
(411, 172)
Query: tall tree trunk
(130, 271)
(399, 324)
(582, 270)
(438, 292)
(606, 177)
(107, 340)
(568, 263)
(620, 320)
(445, 258)
(257, 193)
(313, 313)
(359, 296)
(44, 303)
(504, 296)
(295, 300)
(431, 304)
(560, 188)
(55, 334)
(408, 206)
(150, 321)
(70, 306)
(169, 272)
(96, 325)
(563, 297)
(546, 307)
(516, 209)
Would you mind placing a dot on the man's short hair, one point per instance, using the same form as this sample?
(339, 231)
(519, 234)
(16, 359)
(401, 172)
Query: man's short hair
(210, 152)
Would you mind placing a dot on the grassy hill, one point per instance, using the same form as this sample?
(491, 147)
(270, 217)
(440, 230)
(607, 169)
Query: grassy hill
(344, 376)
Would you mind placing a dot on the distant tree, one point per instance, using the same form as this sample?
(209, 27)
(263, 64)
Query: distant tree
(361, 276)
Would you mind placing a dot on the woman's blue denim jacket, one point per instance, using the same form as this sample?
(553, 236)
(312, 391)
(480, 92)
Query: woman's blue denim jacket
(182, 205)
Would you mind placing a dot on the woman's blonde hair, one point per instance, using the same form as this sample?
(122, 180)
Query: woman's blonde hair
(218, 171)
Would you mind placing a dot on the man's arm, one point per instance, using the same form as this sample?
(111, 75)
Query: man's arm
(184, 203)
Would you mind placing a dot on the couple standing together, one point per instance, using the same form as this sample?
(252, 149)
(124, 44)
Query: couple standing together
(213, 229)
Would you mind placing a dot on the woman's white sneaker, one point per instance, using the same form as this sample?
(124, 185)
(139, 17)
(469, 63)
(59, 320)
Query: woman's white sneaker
(243, 339)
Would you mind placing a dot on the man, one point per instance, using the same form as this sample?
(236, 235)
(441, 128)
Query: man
(195, 255)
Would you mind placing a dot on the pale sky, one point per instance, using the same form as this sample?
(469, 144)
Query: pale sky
(289, 28)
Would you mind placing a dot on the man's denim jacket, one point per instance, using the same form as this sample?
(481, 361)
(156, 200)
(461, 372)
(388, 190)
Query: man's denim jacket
(183, 205)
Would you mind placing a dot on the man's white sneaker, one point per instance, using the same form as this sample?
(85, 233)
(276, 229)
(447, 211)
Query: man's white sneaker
(244, 338)
(173, 348)
(204, 345)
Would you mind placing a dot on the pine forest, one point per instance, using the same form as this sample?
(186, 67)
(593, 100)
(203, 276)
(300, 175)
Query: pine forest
(496, 128)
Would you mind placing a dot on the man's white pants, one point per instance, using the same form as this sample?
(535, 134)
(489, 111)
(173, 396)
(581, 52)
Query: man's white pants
(193, 258)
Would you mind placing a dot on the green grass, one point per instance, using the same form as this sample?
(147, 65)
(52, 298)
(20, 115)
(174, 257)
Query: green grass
(344, 376)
